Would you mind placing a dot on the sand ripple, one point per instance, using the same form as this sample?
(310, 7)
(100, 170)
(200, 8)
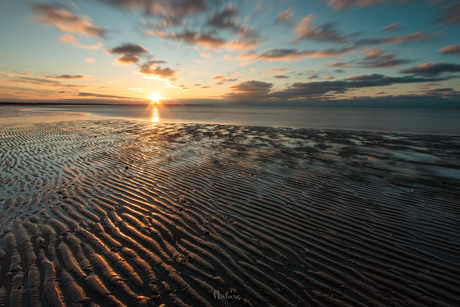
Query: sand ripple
(124, 213)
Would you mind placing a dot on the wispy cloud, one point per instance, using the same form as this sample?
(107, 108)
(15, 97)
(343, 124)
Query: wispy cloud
(67, 38)
(62, 19)
(68, 77)
(293, 54)
(452, 15)
(323, 32)
(397, 39)
(452, 49)
(344, 4)
(285, 17)
(393, 27)
(432, 69)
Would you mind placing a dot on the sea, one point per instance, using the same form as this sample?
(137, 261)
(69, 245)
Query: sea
(384, 119)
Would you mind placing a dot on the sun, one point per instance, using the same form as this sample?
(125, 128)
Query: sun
(155, 98)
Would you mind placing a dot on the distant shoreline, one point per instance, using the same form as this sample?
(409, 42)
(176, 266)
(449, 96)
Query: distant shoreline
(98, 104)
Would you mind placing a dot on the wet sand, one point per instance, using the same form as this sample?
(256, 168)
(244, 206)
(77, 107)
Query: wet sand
(127, 213)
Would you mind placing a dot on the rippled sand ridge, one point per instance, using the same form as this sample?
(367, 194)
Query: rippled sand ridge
(127, 213)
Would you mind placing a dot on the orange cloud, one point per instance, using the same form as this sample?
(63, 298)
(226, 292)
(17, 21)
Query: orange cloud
(65, 21)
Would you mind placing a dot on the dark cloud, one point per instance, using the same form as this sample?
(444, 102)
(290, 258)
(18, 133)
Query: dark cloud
(302, 90)
(69, 77)
(128, 48)
(249, 90)
(324, 32)
(226, 20)
(205, 86)
(253, 90)
(339, 70)
(169, 9)
(344, 4)
(376, 58)
(293, 54)
(129, 53)
(452, 15)
(197, 38)
(393, 27)
(431, 69)
(151, 70)
(452, 49)
(62, 19)
(281, 76)
(397, 39)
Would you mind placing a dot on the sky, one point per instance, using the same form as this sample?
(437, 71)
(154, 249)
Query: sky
(246, 52)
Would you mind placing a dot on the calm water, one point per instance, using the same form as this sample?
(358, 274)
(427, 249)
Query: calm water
(418, 120)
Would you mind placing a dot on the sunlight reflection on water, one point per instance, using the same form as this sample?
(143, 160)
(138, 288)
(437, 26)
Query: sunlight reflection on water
(155, 115)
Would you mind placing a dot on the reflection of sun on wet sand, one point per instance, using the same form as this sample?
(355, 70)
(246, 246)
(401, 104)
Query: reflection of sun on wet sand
(155, 102)
(127, 213)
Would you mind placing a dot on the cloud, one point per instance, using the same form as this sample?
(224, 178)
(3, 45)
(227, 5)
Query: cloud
(281, 76)
(329, 78)
(376, 58)
(344, 4)
(293, 54)
(339, 71)
(431, 69)
(205, 55)
(72, 40)
(63, 20)
(249, 90)
(197, 38)
(452, 15)
(104, 96)
(205, 86)
(241, 45)
(169, 9)
(397, 39)
(208, 39)
(273, 71)
(312, 77)
(285, 16)
(37, 81)
(68, 77)
(150, 70)
(129, 53)
(260, 91)
(67, 38)
(89, 60)
(226, 20)
(393, 27)
(452, 49)
(325, 32)
(220, 79)
(301, 90)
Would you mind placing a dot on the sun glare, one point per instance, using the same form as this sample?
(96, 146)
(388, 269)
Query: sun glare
(155, 98)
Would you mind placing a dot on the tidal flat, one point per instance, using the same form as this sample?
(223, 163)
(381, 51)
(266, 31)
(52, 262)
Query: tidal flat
(126, 213)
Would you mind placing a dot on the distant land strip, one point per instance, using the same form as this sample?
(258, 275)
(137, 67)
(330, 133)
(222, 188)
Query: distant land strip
(98, 104)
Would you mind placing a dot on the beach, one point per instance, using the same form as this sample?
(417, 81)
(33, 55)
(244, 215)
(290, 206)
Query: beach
(125, 212)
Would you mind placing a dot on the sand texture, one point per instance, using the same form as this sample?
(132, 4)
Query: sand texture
(126, 213)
